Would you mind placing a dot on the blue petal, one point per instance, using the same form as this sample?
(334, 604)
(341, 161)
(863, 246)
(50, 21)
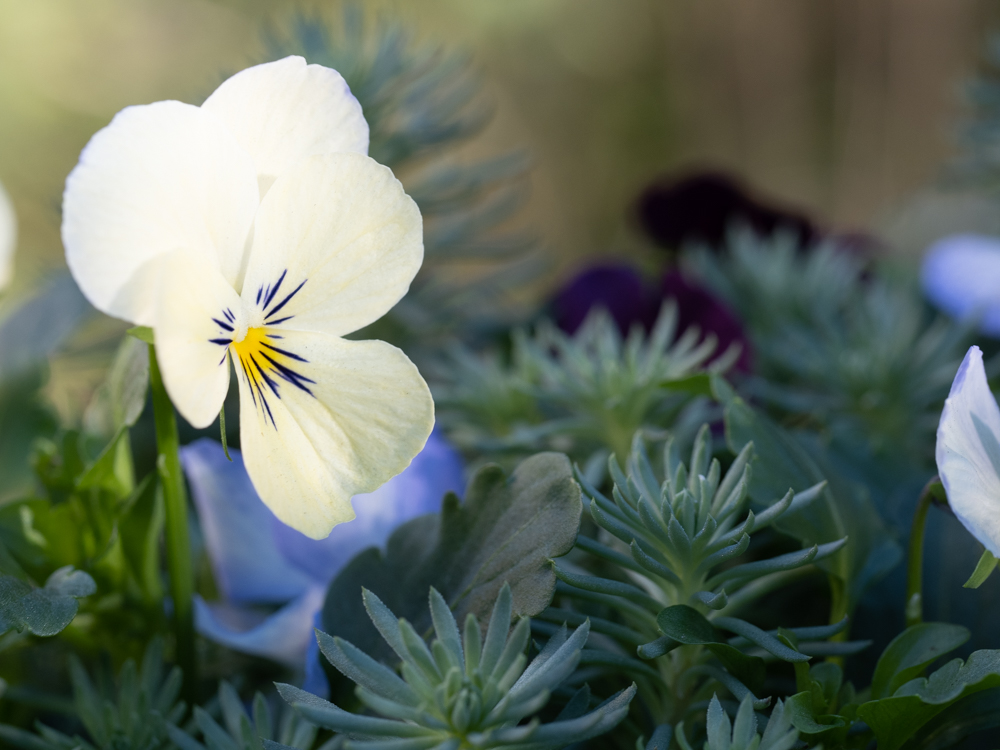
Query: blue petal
(961, 276)
(437, 469)
(315, 680)
(283, 636)
(248, 565)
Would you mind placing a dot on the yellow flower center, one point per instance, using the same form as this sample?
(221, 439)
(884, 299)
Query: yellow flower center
(265, 365)
(252, 344)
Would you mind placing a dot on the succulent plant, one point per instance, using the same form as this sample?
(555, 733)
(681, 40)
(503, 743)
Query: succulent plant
(584, 394)
(134, 717)
(673, 548)
(241, 730)
(741, 734)
(462, 691)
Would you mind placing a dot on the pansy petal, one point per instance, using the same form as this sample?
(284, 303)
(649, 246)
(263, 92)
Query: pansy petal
(193, 329)
(336, 244)
(159, 177)
(961, 275)
(418, 490)
(283, 636)
(323, 419)
(248, 565)
(968, 452)
(8, 238)
(283, 111)
(315, 680)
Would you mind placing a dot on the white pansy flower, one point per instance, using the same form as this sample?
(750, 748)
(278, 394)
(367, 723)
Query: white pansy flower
(968, 452)
(256, 226)
(8, 238)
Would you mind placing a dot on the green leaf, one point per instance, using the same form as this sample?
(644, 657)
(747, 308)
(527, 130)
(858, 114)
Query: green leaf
(43, 611)
(506, 531)
(911, 652)
(35, 329)
(983, 569)
(112, 469)
(689, 627)
(699, 384)
(143, 333)
(800, 709)
(121, 398)
(965, 717)
(917, 702)
(786, 460)
(26, 420)
(142, 525)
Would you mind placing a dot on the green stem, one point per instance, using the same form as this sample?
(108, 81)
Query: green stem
(178, 543)
(915, 564)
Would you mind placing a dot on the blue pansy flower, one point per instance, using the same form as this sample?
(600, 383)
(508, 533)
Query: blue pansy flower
(961, 276)
(260, 562)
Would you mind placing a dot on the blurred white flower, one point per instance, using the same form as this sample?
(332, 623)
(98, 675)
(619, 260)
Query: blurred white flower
(968, 452)
(257, 560)
(256, 227)
(961, 276)
(8, 238)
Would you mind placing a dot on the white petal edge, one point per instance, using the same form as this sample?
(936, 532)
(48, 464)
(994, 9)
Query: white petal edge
(160, 177)
(370, 414)
(247, 563)
(342, 225)
(284, 111)
(8, 238)
(283, 636)
(961, 275)
(968, 452)
(191, 299)
(418, 490)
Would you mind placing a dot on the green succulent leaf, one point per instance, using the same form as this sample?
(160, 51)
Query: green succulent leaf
(134, 714)
(784, 459)
(686, 625)
(463, 690)
(741, 733)
(507, 530)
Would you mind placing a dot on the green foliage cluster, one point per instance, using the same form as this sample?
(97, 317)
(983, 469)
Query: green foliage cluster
(243, 730)
(584, 394)
(465, 691)
(837, 347)
(133, 716)
(674, 582)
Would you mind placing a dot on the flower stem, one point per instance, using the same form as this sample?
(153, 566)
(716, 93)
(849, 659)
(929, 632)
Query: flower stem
(915, 564)
(178, 544)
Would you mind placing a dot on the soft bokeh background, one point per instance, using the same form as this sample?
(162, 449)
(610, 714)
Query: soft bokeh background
(846, 108)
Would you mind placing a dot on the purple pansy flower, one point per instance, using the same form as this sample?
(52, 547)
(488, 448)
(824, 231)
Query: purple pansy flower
(630, 299)
(616, 287)
(696, 306)
(701, 207)
(259, 561)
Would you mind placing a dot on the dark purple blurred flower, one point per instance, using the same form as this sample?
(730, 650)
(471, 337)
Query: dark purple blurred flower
(630, 299)
(696, 306)
(616, 287)
(701, 207)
